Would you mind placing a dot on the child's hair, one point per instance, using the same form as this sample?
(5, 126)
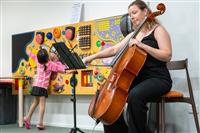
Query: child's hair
(43, 57)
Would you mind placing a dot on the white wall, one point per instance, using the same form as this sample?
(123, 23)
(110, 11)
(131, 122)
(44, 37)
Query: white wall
(181, 20)
(1, 60)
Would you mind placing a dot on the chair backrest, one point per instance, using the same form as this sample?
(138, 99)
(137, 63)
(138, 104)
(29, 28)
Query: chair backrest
(178, 65)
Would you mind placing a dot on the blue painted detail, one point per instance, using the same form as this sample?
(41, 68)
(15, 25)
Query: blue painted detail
(49, 35)
(63, 32)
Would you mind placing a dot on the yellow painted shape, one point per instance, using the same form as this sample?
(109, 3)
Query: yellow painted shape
(21, 83)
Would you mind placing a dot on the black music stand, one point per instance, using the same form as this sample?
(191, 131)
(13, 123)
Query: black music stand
(73, 61)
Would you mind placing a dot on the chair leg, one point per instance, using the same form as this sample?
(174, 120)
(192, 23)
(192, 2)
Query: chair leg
(158, 117)
(162, 116)
(195, 117)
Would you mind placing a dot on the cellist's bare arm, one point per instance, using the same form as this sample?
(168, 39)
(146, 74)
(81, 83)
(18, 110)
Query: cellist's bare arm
(164, 53)
(111, 51)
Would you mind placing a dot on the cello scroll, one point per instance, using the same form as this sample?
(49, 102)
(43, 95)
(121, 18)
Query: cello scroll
(161, 9)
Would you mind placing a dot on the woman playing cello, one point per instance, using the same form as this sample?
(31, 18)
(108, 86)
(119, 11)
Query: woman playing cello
(153, 79)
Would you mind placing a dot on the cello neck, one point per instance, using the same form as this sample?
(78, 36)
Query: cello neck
(138, 28)
(150, 17)
(120, 53)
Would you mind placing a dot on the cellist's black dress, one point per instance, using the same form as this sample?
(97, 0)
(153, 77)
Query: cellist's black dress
(152, 82)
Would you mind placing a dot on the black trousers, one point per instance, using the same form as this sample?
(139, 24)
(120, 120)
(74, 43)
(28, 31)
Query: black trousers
(140, 94)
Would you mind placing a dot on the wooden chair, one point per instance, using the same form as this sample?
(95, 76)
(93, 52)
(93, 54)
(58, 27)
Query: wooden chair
(176, 96)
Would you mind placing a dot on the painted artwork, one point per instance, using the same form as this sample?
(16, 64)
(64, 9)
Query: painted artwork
(84, 38)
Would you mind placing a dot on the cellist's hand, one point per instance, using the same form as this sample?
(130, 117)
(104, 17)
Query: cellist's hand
(87, 59)
(134, 41)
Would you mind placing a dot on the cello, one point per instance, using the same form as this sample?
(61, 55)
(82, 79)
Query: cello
(110, 99)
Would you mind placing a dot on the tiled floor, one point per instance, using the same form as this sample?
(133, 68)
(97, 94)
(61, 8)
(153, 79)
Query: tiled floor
(13, 128)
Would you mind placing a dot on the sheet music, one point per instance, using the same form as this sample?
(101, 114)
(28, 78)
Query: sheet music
(76, 12)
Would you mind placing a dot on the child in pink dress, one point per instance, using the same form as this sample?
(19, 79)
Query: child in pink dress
(45, 66)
